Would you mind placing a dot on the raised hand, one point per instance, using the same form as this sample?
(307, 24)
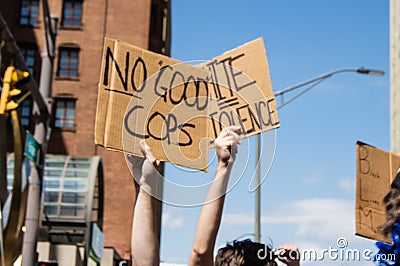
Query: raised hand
(144, 169)
(226, 145)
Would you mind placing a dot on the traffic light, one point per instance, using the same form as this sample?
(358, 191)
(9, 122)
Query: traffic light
(13, 79)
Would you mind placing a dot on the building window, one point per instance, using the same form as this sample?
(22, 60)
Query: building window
(29, 55)
(66, 186)
(72, 13)
(29, 12)
(68, 62)
(25, 112)
(65, 113)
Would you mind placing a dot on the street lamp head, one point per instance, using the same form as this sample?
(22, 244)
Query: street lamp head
(370, 71)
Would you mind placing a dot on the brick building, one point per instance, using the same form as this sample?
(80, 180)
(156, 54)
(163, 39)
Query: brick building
(83, 24)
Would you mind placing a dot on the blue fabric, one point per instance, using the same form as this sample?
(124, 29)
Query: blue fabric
(385, 257)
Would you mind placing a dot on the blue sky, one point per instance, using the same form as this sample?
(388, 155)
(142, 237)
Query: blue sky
(308, 196)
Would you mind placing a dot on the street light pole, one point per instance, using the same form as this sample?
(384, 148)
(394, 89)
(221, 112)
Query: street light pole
(40, 135)
(312, 83)
(257, 228)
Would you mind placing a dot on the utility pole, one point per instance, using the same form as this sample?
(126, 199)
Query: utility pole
(40, 135)
(257, 218)
(394, 76)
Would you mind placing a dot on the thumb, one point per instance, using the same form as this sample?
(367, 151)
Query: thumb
(146, 150)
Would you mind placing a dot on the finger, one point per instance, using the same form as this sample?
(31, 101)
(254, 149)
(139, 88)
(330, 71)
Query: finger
(228, 138)
(134, 160)
(223, 133)
(143, 144)
(225, 143)
(233, 137)
(226, 130)
(234, 149)
(146, 150)
(236, 129)
(229, 145)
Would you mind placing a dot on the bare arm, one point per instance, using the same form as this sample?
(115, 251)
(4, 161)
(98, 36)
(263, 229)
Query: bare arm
(210, 216)
(144, 242)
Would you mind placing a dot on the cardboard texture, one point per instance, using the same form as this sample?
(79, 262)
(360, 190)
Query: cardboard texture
(241, 90)
(176, 107)
(376, 170)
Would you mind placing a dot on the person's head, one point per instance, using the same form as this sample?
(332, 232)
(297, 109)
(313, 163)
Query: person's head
(245, 253)
(392, 206)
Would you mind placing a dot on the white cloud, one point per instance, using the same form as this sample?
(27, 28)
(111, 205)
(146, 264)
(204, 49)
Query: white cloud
(348, 185)
(171, 222)
(321, 218)
(318, 224)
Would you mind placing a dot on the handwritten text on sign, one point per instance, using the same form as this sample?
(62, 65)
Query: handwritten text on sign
(240, 84)
(376, 170)
(178, 108)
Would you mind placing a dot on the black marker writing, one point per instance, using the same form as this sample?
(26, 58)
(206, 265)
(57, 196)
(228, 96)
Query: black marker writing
(139, 68)
(159, 127)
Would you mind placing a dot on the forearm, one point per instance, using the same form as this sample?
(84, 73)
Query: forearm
(210, 219)
(145, 241)
(220, 182)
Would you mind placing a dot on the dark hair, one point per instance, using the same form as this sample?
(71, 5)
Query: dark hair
(245, 253)
(392, 205)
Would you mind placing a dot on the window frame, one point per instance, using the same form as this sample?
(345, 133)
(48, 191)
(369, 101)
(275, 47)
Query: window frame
(30, 19)
(72, 18)
(64, 118)
(69, 49)
(25, 48)
(26, 104)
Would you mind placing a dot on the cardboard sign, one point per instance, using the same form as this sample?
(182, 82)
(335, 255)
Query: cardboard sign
(135, 102)
(376, 170)
(178, 108)
(242, 91)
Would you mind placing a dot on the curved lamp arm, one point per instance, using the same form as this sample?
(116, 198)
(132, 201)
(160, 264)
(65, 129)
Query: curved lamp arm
(315, 81)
